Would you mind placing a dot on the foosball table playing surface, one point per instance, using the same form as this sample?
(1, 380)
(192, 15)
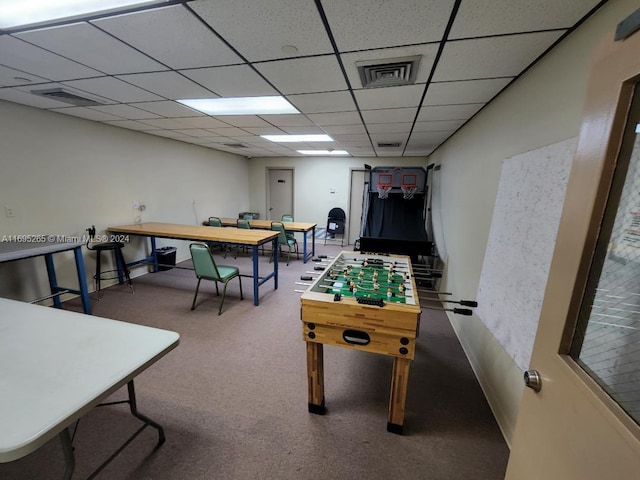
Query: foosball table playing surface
(365, 302)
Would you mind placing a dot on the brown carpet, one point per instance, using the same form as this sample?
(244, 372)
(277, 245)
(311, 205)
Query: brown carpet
(232, 396)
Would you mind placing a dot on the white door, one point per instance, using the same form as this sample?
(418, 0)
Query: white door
(354, 216)
(583, 422)
(279, 193)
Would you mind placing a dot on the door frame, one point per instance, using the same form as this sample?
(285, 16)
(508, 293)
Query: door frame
(580, 406)
(268, 190)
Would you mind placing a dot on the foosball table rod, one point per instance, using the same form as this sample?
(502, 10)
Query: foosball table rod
(459, 311)
(464, 303)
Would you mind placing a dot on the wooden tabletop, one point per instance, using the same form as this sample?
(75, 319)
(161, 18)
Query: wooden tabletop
(195, 232)
(266, 224)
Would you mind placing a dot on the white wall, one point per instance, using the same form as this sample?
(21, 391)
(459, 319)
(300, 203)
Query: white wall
(313, 178)
(542, 108)
(62, 174)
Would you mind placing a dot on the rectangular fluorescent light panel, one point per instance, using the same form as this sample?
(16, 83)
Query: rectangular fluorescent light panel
(297, 138)
(323, 152)
(241, 106)
(17, 13)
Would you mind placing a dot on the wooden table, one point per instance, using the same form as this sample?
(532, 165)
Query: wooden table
(57, 365)
(300, 227)
(390, 329)
(41, 246)
(233, 236)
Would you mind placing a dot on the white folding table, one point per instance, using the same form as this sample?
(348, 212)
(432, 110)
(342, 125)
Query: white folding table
(56, 365)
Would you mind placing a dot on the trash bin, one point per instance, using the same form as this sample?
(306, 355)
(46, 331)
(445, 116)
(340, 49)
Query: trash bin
(166, 258)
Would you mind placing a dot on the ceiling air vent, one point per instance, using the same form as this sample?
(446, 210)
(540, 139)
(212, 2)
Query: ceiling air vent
(389, 145)
(67, 97)
(391, 72)
(235, 145)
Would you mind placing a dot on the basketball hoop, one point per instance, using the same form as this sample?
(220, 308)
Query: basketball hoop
(408, 192)
(385, 184)
(383, 191)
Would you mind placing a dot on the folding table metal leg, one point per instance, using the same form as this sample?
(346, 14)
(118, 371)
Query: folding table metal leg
(67, 448)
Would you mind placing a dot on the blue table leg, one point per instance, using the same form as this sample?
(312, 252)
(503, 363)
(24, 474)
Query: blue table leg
(275, 262)
(304, 247)
(313, 242)
(154, 253)
(53, 282)
(256, 280)
(82, 280)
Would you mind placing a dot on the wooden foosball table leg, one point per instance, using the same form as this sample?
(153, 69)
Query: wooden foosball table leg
(315, 375)
(398, 397)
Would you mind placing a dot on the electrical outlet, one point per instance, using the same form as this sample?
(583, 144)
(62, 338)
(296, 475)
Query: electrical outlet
(10, 212)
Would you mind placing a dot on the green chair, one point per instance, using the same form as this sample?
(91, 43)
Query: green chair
(216, 222)
(247, 216)
(284, 241)
(241, 223)
(287, 217)
(205, 267)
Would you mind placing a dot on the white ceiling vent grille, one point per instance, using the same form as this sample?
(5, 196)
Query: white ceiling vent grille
(389, 145)
(391, 72)
(65, 96)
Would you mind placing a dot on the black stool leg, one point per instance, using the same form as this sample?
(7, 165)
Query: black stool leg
(97, 277)
(121, 265)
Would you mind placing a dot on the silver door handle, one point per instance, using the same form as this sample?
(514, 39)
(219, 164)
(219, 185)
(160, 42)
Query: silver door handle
(533, 380)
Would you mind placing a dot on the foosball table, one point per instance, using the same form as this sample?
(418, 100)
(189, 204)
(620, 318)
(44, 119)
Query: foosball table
(365, 302)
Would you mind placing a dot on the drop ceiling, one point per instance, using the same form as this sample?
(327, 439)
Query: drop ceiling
(136, 65)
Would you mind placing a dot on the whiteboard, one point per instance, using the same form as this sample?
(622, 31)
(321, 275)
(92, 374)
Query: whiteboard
(520, 246)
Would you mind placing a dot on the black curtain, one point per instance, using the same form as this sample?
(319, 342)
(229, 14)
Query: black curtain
(396, 218)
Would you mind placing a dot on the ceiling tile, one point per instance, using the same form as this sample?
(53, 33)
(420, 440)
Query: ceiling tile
(365, 24)
(467, 91)
(309, 130)
(130, 124)
(15, 53)
(340, 118)
(170, 85)
(125, 111)
(389, 97)
(196, 132)
(344, 129)
(389, 128)
(491, 57)
(287, 120)
(10, 77)
(168, 123)
(432, 138)
(323, 102)
(233, 81)
(203, 122)
(171, 35)
(495, 17)
(304, 75)
(448, 112)
(272, 25)
(229, 131)
(438, 126)
(92, 47)
(388, 115)
(167, 108)
(265, 130)
(87, 113)
(245, 121)
(113, 89)
(427, 56)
